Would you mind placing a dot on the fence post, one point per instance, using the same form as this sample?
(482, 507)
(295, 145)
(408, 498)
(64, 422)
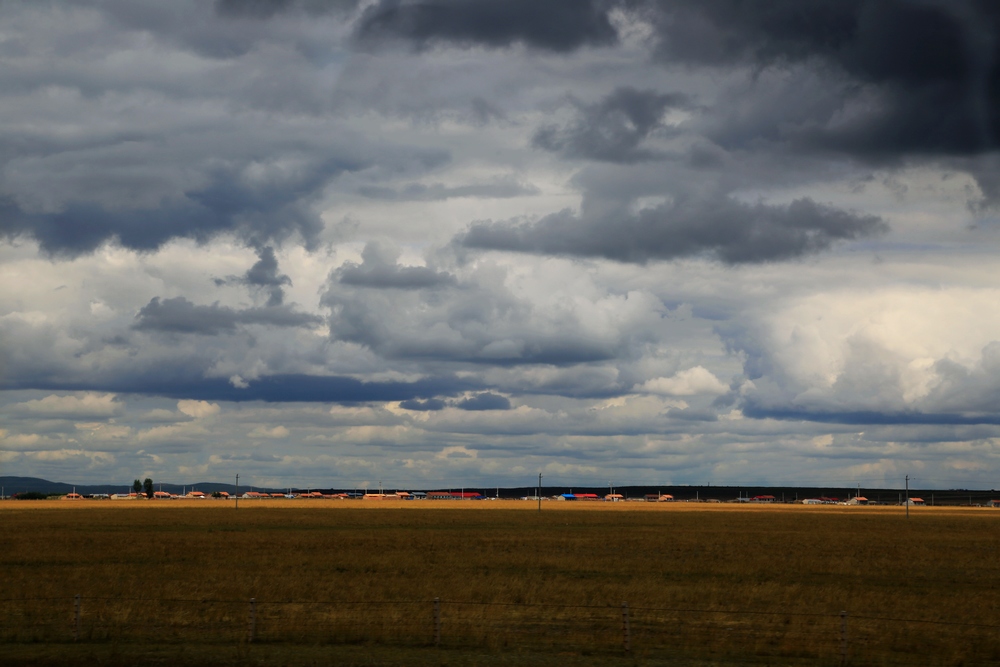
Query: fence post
(626, 632)
(76, 618)
(843, 639)
(437, 621)
(252, 622)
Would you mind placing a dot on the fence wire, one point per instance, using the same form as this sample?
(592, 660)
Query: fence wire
(737, 636)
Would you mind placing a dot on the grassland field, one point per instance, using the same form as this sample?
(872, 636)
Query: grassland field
(352, 583)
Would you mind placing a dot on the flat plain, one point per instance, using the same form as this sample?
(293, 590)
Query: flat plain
(354, 583)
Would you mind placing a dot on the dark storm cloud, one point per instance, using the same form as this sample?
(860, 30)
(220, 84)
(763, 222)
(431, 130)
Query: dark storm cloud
(613, 129)
(724, 228)
(484, 401)
(178, 315)
(380, 270)
(557, 25)
(440, 192)
(257, 212)
(915, 76)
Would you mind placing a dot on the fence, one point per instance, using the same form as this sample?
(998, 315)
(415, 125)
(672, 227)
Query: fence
(715, 635)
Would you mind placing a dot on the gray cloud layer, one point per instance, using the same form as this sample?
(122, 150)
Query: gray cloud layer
(724, 229)
(178, 315)
(613, 129)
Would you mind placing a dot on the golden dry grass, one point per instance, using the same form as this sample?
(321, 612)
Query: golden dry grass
(760, 584)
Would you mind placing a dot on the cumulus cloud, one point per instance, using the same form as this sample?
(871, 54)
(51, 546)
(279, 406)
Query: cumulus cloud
(479, 319)
(885, 356)
(689, 382)
(379, 269)
(198, 409)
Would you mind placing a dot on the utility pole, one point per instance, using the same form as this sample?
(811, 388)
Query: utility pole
(539, 492)
(237, 490)
(907, 496)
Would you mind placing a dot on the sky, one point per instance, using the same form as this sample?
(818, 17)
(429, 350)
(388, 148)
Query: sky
(336, 243)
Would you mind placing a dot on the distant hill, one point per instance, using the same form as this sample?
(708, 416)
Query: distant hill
(12, 485)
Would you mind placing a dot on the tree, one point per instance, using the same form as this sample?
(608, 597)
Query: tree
(137, 487)
(148, 487)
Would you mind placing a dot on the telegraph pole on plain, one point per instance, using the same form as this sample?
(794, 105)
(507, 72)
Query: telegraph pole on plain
(237, 490)
(539, 492)
(907, 496)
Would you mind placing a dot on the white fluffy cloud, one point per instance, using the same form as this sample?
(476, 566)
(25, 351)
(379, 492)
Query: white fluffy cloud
(198, 409)
(889, 349)
(696, 380)
(72, 406)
